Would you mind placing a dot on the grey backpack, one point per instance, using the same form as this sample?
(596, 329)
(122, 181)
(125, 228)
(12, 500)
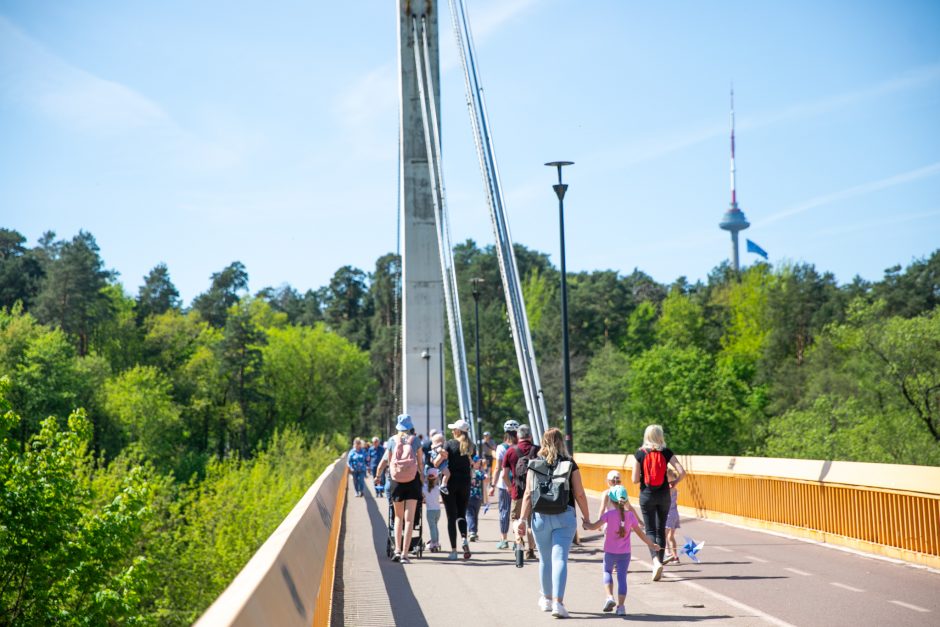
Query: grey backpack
(551, 486)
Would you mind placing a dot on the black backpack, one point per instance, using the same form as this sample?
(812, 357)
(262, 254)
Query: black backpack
(522, 468)
(550, 494)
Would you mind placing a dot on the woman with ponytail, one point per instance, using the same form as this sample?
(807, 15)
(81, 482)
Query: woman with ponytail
(458, 452)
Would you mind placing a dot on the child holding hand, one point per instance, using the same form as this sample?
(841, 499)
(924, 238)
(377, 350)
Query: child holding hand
(620, 522)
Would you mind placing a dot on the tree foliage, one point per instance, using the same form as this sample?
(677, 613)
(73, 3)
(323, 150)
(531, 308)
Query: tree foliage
(193, 430)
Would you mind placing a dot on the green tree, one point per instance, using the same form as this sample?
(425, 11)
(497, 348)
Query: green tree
(140, 402)
(158, 294)
(71, 296)
(682, 321)
(240, 357)
(348, 306)
(218, 523)
(681, 389)
(641, 329)
(317, 380)
(20, 271)
(213, 305)
(64, 559)
(600, 402)
(912, 292)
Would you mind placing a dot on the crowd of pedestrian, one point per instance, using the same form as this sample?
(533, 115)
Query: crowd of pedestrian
(538, 489)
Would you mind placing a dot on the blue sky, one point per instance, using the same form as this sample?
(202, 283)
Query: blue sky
(198, 134)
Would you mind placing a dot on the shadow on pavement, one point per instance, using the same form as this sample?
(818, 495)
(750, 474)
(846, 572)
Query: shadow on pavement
(405, 607)
(728, 577)
(666, 618)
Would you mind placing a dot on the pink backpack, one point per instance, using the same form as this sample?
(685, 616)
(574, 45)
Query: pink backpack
(404, 466)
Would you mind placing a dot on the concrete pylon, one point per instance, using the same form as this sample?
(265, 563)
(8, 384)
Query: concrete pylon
(422, 282)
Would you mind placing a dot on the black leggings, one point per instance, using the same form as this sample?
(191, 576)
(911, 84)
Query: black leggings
(655, 507)
(455, 502)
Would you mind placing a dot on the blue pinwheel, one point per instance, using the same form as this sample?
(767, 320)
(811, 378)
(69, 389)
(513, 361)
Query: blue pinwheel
(691, 548)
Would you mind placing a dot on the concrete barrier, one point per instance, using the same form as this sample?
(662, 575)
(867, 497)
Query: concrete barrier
(289, 581)
(886, 509)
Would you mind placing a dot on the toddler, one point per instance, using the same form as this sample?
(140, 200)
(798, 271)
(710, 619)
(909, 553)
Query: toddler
(432, 505)
(672, 519)
(437, 446)
(479, 491)
(613, 479)
(620, 522)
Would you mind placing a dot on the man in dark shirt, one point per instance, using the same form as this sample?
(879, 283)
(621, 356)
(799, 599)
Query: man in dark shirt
(524, 448)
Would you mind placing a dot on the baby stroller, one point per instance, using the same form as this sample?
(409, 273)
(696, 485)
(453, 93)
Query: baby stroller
(416, 546)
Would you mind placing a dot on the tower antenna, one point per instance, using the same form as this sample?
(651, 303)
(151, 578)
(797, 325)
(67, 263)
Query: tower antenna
(733, 220)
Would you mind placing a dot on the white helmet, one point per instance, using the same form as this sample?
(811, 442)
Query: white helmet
(510, 425)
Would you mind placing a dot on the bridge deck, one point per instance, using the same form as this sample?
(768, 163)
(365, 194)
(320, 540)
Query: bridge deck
(746, 578)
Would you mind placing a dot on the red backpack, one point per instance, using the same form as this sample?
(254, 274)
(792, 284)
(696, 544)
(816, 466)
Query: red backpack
(404, 465)
(654, 470)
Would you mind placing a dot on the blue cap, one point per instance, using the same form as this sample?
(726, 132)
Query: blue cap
(618, 493)
(404, 423)
(476, 458)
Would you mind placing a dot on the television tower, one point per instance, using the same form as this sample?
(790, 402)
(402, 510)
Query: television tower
(734, 219)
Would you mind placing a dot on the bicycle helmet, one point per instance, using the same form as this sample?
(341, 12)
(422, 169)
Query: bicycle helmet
(510, 426)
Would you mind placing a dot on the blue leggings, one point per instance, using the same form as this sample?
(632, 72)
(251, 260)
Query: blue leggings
(622, 562)
(553, 536)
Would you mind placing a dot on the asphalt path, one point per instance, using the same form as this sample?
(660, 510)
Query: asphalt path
(745, 577)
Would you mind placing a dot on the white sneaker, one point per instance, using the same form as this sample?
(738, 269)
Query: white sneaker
(609, 605)
(545, 604)
(657, 569)
(621, 611)
(558, 610)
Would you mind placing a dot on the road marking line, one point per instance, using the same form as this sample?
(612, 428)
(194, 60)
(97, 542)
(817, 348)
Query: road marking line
(753, 611)
(916, 608)
(845, 587)
(721, 548)
(798, 571)
(755, 559)
(819, 543)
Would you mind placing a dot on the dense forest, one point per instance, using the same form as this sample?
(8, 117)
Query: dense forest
(149, 448)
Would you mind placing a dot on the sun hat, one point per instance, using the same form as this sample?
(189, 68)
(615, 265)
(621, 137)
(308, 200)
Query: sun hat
(613, 474)
(617, 493)
(460, 425)
(404, 423)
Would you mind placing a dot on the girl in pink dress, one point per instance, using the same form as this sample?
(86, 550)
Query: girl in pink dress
(620, 522)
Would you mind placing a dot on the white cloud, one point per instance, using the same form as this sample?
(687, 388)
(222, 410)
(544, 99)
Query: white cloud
(83, 102)
(73, 97)
(368, 101)
(876, 224)
(852, 192)
(654, 147)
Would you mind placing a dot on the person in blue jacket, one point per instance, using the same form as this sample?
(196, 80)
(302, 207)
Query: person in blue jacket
(356, 460)
(375, 454)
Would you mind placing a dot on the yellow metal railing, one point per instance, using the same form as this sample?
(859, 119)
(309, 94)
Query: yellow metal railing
(887, 509)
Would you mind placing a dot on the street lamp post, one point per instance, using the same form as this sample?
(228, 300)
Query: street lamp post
(560, 189)
(475, 290)
(440, 363)
(426, 356)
